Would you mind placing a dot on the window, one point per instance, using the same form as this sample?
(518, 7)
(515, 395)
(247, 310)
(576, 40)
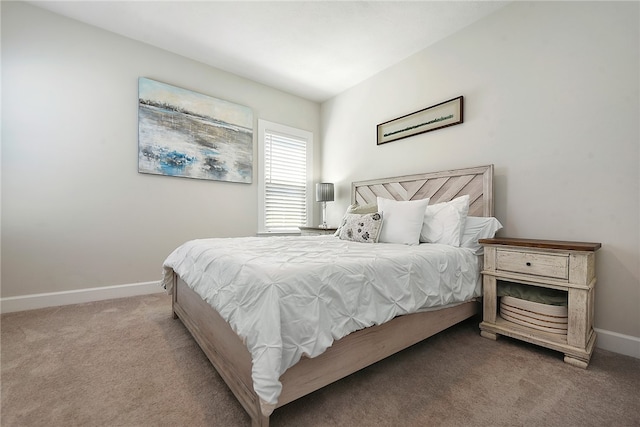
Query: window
(285, 155)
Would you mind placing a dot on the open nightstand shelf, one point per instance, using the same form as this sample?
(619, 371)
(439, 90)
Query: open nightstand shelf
(564, 266)
(313, 231)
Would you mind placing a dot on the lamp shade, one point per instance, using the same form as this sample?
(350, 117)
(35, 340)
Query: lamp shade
(324, 192)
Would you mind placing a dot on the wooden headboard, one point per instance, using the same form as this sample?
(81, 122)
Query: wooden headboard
(442, 186)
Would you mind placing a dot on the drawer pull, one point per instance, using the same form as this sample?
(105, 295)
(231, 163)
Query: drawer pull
(528, 264)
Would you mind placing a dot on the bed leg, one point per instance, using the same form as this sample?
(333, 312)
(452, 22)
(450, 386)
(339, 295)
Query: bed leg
(174, 296)
(261, 421)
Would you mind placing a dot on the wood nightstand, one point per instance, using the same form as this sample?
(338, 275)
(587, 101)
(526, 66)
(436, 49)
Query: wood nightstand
(565, 266)
(314, 231)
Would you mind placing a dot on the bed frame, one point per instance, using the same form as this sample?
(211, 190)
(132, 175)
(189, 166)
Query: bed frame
(231, 358)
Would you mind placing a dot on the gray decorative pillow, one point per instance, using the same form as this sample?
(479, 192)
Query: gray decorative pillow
(361, 228)
(362, 209)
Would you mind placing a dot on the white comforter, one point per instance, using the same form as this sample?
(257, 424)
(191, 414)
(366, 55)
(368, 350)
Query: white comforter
(292, 296)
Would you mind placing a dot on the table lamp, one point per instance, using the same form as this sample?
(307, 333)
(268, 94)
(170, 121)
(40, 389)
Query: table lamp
(324, 194)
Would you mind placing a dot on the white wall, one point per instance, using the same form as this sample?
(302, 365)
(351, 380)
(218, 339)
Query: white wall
(551, 99)
(76, 214)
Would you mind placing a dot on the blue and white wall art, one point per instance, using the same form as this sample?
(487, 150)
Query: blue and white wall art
(187, 134)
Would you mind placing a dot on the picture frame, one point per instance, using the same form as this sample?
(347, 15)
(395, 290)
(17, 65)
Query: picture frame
(444, 114)
(187, 134)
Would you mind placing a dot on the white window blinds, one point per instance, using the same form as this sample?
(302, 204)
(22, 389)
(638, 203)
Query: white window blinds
(285, 176)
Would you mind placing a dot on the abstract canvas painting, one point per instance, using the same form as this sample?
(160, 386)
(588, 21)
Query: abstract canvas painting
(188, 134)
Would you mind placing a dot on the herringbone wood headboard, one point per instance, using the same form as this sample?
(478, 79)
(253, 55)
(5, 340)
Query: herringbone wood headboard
(442, 186)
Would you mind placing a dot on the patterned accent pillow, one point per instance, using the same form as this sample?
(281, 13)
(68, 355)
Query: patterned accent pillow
(358, 209)
(361, 228)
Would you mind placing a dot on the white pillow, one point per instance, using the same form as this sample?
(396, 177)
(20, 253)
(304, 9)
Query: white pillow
(444, 222)
(478, 227)
(402, 220)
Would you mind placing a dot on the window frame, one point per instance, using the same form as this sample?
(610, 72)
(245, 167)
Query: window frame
(264, 127)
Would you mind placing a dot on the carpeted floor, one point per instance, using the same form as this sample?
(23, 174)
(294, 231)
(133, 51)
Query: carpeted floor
(126, 362)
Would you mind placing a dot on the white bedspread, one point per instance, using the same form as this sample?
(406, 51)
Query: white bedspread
(293, 296)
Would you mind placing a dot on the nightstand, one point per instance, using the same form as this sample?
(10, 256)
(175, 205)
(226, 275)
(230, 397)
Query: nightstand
(564, 266)
(314, 231)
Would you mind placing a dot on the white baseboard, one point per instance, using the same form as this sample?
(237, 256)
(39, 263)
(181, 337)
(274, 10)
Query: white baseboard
(607, 340)
(618, 343)
(53, 299)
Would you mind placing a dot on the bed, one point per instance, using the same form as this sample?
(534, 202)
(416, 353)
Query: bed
(347, 352)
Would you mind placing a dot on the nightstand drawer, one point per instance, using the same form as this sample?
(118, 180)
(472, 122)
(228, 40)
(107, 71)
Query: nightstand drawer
(537, 264)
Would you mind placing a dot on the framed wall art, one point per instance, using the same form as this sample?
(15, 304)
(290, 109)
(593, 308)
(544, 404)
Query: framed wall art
(188, 134)
(447, 113)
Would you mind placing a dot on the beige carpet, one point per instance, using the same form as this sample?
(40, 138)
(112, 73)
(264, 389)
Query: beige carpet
(128, 363)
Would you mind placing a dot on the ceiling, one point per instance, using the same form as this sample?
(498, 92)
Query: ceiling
(313, 49)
